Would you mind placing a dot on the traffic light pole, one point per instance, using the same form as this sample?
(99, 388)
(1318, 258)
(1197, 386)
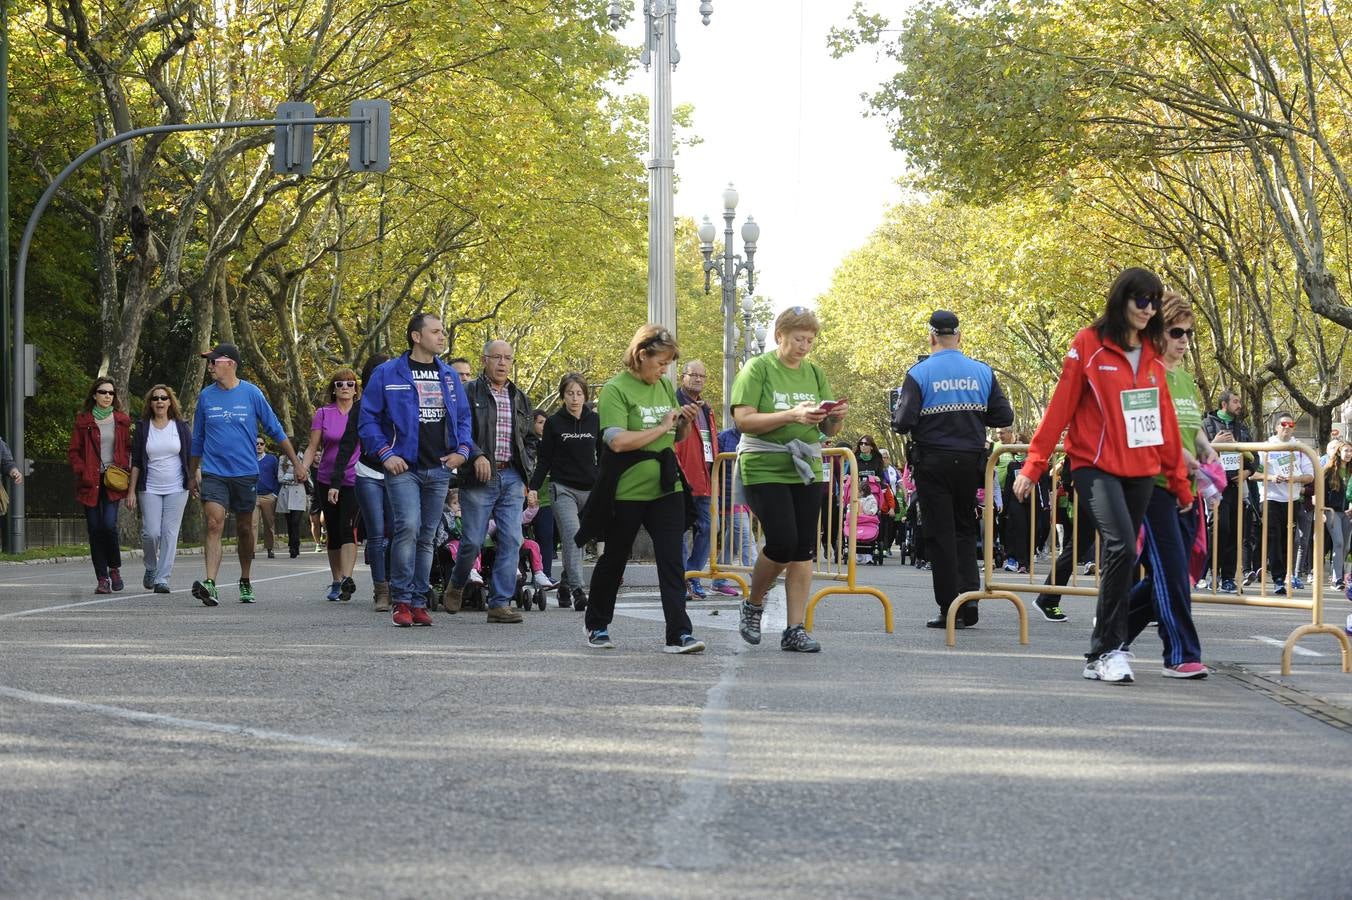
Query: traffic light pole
(17, 540)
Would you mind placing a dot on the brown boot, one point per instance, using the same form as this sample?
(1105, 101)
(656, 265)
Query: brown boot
(503, 615)
(381, 590)
(452, 598)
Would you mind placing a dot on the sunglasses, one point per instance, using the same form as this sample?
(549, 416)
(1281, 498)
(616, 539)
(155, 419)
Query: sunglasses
(159, 399)
(1177, 333)
(346, 384)
(1287, 424)
(1144, 302)
(105, 392)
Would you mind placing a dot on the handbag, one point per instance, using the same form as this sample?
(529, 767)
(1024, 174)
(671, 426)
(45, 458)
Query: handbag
(116, 478)
(4, 500)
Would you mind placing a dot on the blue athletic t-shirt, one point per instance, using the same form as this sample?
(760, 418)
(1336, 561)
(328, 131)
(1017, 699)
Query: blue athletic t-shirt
(225, 429)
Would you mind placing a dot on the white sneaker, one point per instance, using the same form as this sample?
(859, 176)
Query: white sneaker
(541, 580)
(1112, 666)
(475, 577)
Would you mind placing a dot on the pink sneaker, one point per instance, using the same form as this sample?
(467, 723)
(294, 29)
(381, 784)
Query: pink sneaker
(726, 587)
(1185, 670)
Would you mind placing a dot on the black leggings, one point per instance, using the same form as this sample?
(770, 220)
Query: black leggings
(788, 515)
(340, 519)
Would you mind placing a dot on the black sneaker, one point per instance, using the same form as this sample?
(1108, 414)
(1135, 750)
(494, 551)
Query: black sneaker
(205, 590)
(1228, 586)
(1051, 612)
(346, 589)
(749, 623)
(600, 640)
(579, 599)
(687, 644)
(798, 640)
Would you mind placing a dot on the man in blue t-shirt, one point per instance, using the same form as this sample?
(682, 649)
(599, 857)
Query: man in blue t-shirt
(223, 463)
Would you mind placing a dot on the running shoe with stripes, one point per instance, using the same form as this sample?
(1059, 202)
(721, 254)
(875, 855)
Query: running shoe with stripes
(1186, 670)
(600, 640)
(205, 590)
(1113, 666)
(1050, 611)
(246, 594)
(687, 644)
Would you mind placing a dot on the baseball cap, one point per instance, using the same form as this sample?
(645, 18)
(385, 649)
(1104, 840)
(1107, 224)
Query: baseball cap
(229, 351)
(943, 322)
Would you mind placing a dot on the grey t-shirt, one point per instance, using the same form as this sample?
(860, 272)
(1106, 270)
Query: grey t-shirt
(107, 433)
(1134, 357)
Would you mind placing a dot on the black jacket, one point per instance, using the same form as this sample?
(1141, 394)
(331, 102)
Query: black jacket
(569, 450)
(484, 413)
(600, 506)
(347, 445)
(1213, 424)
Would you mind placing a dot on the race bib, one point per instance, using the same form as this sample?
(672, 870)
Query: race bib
(1231, 462)
(1141, 412)
(707, 440)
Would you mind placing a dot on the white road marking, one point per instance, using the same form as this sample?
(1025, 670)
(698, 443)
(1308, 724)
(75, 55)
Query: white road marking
(1299, 651)
(116, 597)
(136, 715)
(686, 835)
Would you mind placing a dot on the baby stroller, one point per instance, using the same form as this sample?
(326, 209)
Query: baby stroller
(444, 546)
(868, 526)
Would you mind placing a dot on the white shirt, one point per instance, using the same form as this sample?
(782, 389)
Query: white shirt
(1291, 463)
(164, 468)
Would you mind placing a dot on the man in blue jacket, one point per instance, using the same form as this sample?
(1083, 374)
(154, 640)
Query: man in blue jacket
(414, 416)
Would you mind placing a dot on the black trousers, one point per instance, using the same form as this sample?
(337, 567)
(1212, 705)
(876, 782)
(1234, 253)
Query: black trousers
(1117, 507)
(1066, 559)
(664, 520)
(946, 484)
(1225, 544)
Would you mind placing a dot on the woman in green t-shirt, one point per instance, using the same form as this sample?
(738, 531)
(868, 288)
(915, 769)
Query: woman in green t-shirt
(1165, 594)
(640, 485)
(778, 404)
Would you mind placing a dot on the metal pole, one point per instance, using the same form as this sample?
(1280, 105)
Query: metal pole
(661, 21)
(9, 356)
(728, 282)
(17, 386)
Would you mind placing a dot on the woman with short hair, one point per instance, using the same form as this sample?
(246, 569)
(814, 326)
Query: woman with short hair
(336, 488)
(783, 405)
(640, 485)
(100, 456)
(159, 480)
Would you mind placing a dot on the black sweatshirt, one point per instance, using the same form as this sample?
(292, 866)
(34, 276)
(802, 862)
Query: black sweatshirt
(568, 450)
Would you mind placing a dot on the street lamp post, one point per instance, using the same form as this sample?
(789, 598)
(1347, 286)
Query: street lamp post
(727, 269)
(661, 56)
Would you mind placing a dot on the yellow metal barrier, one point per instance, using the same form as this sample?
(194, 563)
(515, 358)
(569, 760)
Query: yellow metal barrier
(831, 532)
(994, 587)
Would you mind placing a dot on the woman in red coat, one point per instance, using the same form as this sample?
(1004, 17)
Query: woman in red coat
(1113, 404)
(101, 438)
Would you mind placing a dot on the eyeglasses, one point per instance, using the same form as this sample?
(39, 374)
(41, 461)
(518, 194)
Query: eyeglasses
(799, 310)
(159, 399)
(699, 375)
(662, 337)
(499, 357)
(1177, 333)
(1143, 302)
(346, 384)
(105, 392)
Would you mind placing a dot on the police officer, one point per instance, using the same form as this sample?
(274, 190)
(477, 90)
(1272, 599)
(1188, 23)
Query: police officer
(946, 404)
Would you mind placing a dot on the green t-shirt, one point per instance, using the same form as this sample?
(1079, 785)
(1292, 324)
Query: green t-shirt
(1188, 408)
(631, 404)
(767, 385)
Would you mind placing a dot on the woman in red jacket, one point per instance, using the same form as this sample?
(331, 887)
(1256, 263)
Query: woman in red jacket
(1113, 402)
(101, 438)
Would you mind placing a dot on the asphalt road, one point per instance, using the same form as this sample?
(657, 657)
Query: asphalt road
(150, 747)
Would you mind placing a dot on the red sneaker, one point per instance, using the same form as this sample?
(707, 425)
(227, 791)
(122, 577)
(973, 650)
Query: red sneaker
(1185, 670)
(420, 616)
(403, 616)
(103, 587)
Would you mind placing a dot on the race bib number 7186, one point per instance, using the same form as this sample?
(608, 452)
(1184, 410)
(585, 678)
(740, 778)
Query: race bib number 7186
(1141, 412)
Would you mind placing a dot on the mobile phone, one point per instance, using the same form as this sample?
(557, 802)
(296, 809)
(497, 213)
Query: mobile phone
(828, 405)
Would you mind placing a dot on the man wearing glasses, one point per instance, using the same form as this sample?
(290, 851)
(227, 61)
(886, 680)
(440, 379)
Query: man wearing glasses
(695, 453)
(493, 484)
(1282, 469)
(268, 486)
(1226, 426)
(224, 463)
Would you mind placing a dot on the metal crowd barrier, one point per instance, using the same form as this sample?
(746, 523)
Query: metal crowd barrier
(837, 529)
(997, 584)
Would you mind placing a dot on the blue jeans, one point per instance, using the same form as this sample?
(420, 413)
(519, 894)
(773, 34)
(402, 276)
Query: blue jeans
(105, 551)
(697, 559)
(375, 513)
(501, 499)
(416, 498)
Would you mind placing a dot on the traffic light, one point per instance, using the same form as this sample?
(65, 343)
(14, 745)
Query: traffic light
(293, 146)
(369, 139)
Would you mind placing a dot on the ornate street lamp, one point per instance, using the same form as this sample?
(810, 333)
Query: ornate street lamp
(727, 269)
